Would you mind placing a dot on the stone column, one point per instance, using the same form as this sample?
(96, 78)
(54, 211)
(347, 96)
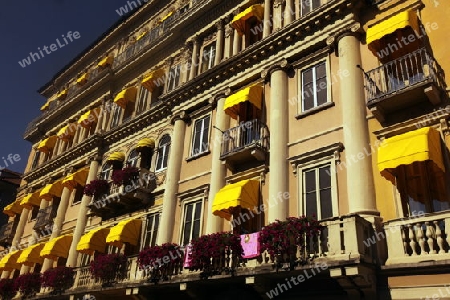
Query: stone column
(228, 50)
(289, 12)
(218, 170)
(219, 42)
(279, 169)
(172, 179)
(194, 61)
(20, 229)
(360, 184)
(82, 216)
(58, 223)
(237, 42)
(277, 14)
(267, 30)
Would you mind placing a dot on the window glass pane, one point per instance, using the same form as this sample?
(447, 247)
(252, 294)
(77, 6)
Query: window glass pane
(310, 181)
(324, 177)
(315, 4)
(326, 209)
(321, 91)
(155, 230)
(311, 204)
(205, 135)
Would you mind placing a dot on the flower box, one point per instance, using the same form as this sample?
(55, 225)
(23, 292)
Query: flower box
(161, 262)
(59, 279)
(109, 268)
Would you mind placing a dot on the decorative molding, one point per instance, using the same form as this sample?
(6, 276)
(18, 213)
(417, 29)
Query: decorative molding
(332, 150)
(282, 65)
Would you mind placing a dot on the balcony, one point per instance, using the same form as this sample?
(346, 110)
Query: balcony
(7, 232)
(246, 142)
(419, 240)
(404, 82)
(44, 219)
(350, 264)
(124, 198)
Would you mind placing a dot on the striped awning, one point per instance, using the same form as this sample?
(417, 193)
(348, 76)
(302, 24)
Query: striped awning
(9, 261)
(31, 200)
(31, 255)
(127, 231)
(57, 247)
(146, 143)
(252, 94)
(152, 79)
(125, 96)
(238, 21)
(83, 78)
(13, 209)
(52, 190)
(116, 156)
(88, 118)
(67, 132)
(47, 145)
(106, 61)
(47, 104)
(94, 240)
(62, 94)
(77, 178)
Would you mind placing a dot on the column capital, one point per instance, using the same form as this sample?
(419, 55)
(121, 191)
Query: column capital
(353, 30)
(228, 30)
(182, 116)
(220, 24)
(97, 158)
(277, 3)
(222, 94)
(282, 65)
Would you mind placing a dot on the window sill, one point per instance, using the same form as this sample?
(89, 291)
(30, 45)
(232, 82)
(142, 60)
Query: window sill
(194, 157)
(314, 110)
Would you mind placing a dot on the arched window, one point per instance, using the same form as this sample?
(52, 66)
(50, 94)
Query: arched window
(133, 159)
(163, 153)
(106, 171)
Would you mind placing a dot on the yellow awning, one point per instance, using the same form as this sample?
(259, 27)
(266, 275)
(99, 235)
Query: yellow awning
(244, 193)
(58, 247)
(151, 80)
(394, 23)
(127, 231)
(31, 200)
(13, 209)
(62, 94)
(414, 146)
(106, 61)
(77, 178)
(89, 117)
(67, 132)
(141, 36)
(31, 255)
(146, 143)
(94, 240)
(116, 156)
(125, 96)
(166, 16)
(9, 261)
(253, 94)
(83, 78)
(52, 190)
(47, 104)
(238, 21)
(48, 144)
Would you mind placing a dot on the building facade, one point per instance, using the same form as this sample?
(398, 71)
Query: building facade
(191, 118)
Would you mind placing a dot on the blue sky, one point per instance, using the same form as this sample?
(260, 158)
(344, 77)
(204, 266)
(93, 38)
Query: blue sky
(24, 26)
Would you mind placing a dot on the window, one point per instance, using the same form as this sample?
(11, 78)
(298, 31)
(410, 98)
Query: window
(253, 31)
(314, 86)
(116, 112)
(208, 57)
(317, 191)
(78, 194)
(163, 153)
(36, 157)
(191, 221)
(174, 77)
(307, 6)
(422, 188)
(200, 136)
(142, 101)
(133, 159)
(106, 171)
(151, 231)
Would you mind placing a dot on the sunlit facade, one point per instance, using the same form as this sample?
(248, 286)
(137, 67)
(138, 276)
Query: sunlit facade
(196, 117)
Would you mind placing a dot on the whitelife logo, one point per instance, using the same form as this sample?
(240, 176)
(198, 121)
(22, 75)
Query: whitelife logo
(34, 56)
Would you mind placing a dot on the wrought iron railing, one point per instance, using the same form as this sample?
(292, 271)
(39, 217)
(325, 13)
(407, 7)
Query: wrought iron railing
(7, 233)
(402, 73)
(253, 133)
(45, 218)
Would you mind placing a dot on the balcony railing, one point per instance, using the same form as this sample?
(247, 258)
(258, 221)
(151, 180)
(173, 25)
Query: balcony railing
(45, 218)
(341, 242)
(253, 134)
(418, 239)
(7, 233)
(403, 73)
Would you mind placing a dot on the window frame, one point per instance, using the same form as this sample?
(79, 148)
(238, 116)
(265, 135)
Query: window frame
(173, 81)
(145, 236)
(310, 5)
(142, 101)
(314, 164)
(310, 64)
(157, 169)
(116, 114)
(36, 158)
(211, 62)
(136, 159)
(185, 203)
(192, 152)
